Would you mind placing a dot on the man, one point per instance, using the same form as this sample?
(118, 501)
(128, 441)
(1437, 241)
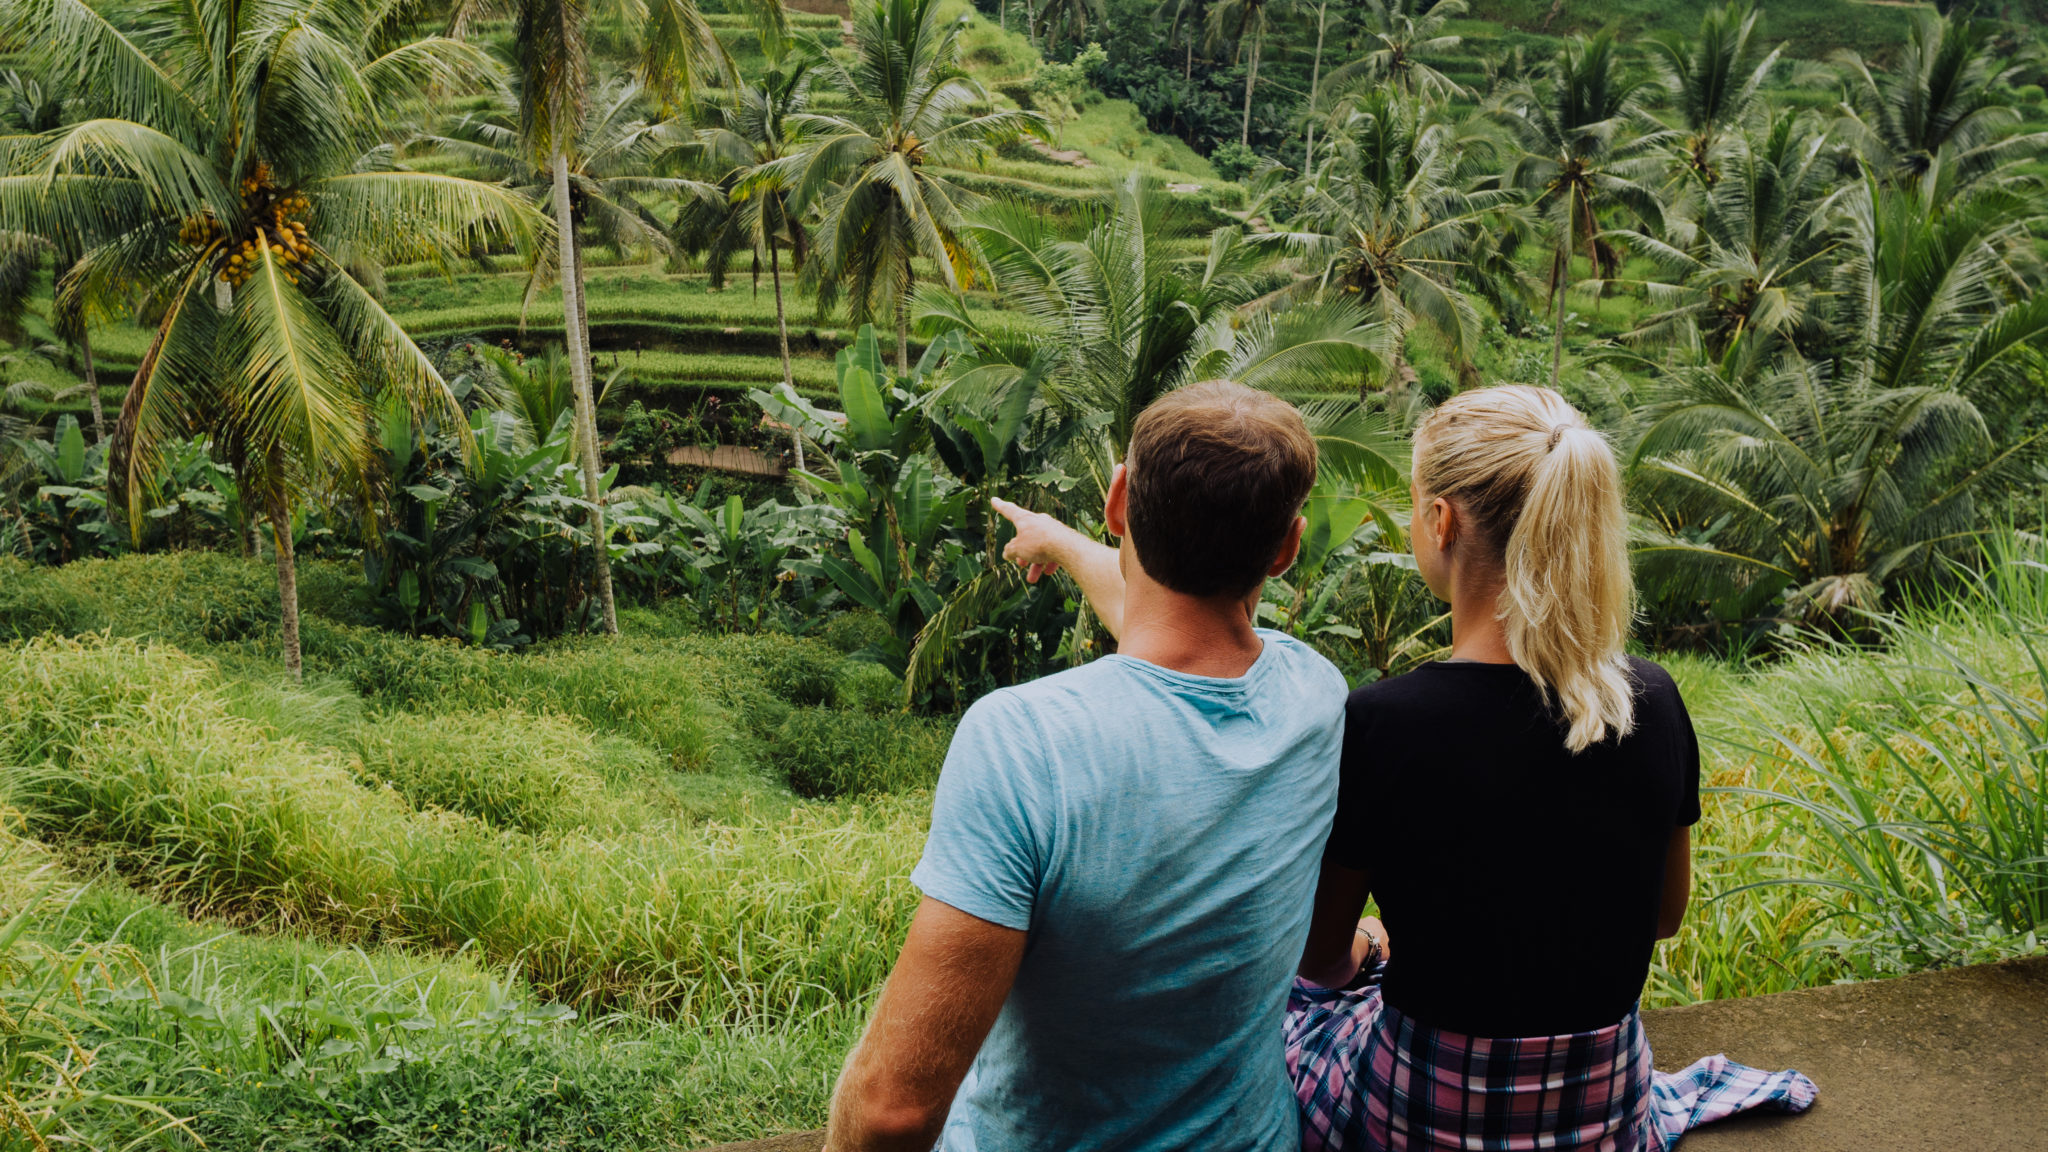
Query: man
(1122, 856)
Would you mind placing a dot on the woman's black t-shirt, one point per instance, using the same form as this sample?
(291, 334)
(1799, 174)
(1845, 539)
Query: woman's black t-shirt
(1519, 883)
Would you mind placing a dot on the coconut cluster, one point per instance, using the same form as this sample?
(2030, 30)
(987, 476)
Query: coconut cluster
(199, 231)
(275, 217)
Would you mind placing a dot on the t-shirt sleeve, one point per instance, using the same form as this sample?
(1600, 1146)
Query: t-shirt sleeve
(991, 818)
(1688, 745)
(1348, 845)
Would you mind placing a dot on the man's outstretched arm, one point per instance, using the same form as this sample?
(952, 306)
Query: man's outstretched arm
(934, 1012)
(1043, 546)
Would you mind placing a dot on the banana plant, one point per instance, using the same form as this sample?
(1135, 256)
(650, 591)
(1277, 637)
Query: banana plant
(899, 552)
(482, 548)
(1010, 628)
(732, 556)
(70, 521)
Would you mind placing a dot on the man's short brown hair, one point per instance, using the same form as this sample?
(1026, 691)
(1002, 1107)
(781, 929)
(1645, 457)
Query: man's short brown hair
(1216, 474)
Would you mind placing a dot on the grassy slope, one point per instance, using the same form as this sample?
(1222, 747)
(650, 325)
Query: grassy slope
(1810, 28)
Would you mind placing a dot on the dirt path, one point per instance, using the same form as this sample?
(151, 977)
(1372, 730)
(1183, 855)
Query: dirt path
(1064, 156)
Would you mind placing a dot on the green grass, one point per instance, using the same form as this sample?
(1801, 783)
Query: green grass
(273, 1041)
(133, 751)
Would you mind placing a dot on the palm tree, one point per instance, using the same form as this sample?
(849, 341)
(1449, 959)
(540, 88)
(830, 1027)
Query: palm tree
(614, 161)
(748, 135)
(1831, 476)
(1113, 313)
(1713, 79)
(1238, 21)
(675, 48)
(1056, 18)
(1385, 219)
(231, 168)
(871, 170)
(27, 107)
(1750, 271)
(1397, 37)
(1584, 145)
(1186, 15)
(1315, 86)
(1946, 103)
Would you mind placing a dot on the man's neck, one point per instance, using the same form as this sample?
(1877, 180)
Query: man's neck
(1201, 636)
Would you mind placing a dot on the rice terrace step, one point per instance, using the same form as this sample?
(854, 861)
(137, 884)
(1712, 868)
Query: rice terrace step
(1947, 1061)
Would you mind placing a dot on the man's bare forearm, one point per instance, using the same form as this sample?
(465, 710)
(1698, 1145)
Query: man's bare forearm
(1044, 545)
(1094, 567)
(937, 1007)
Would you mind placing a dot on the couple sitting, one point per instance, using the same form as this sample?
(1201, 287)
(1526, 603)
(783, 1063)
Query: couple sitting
(1143, 885)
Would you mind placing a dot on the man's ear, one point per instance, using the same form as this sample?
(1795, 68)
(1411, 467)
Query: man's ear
(1116, 507)
(1290, 548)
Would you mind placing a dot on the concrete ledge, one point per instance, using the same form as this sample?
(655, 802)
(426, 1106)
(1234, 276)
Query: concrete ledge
(1939, 1062)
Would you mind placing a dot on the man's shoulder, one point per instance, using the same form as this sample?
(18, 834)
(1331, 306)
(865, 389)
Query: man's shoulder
(1304, 662)
(1060, 688)
(1036, 705)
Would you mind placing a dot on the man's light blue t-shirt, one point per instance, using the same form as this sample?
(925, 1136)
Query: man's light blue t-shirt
(1158, 835)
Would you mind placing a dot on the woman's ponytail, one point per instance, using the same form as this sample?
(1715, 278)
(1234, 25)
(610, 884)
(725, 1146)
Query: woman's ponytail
(1541, 486)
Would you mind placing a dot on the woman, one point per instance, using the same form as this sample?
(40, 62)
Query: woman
(1521, 812)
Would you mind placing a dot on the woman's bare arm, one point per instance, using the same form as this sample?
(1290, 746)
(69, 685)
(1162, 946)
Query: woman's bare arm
(1677, 883)
(1336, 948)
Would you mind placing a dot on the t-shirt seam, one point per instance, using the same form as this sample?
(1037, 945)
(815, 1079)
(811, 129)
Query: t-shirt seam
(1058, 813)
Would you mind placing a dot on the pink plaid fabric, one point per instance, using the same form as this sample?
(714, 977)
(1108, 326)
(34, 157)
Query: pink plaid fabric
(1369, 1079)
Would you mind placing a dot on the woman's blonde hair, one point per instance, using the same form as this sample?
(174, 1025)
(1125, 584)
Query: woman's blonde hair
(1539, 487)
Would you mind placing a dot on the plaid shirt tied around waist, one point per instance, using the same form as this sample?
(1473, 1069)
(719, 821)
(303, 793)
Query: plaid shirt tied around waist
(1370, 1079)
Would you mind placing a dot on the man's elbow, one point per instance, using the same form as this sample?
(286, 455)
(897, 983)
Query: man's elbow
(905, 1124)
(878, 1118)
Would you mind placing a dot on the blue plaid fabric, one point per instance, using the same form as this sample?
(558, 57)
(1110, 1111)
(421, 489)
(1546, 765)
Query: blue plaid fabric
(1369, 1079)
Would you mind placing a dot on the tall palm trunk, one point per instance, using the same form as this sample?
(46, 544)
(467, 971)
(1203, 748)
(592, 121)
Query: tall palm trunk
(796, 435)
(583, 317)
(92, 386)
(1244, 136)
(1564, 277)
(1315, 80)
(287, 575)
(579, 382)
(903, 335)
(903, 316)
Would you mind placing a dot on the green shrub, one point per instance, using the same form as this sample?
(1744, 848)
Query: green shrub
(35, 600)
(645, 690)
(826, 753)
(177, 596)
(865, 687)
(391, 669)
(508, 769)
(698, 699)
(1233, 161)
(852, 631)
(671, 620)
